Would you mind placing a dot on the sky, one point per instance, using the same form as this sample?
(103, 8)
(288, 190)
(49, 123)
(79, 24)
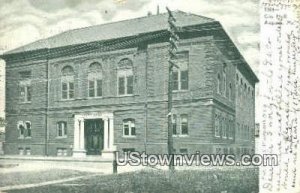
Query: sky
(25, 21)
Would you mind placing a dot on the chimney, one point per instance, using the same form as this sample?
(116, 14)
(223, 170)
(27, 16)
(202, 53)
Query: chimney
(157, 10)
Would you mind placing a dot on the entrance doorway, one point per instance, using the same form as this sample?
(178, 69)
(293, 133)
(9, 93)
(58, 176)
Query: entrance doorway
(94, 136)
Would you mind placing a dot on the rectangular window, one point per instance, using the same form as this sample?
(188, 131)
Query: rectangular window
(61, 129)
(25, 93)
(64, 92)
(184, 80)
(67, 90)
(184, 124)
(129, 129)
(121, 85)
(25, 86)
(95, 88)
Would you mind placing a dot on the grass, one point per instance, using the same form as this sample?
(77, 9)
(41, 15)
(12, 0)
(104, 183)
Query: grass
(208, 181)
(16, 178)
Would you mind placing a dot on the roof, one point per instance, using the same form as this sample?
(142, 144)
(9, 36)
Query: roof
(125, 28)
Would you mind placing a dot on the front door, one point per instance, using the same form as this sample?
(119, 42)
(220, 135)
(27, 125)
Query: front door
(93, 132)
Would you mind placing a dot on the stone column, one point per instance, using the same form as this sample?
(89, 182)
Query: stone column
(78, 148)
(111, 133)
(108, 139)
(106, 136)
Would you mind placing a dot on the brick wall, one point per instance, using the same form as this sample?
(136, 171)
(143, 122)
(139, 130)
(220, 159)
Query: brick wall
(148, 105)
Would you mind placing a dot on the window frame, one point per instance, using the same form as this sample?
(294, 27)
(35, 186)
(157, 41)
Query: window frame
(21, 136)
(125, 72)
(95, 75)
(131, 127)
(64, 129)
(26, 129)
(181, 124)
(25, 84)
(68, 78)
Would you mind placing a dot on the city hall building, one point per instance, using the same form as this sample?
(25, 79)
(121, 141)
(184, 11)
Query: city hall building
(95, 90)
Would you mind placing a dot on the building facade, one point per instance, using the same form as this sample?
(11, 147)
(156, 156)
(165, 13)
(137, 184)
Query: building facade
(94, 90)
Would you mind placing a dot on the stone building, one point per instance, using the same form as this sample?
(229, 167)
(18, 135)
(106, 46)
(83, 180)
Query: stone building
(94, 90)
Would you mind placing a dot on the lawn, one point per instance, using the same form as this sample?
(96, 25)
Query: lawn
(208, 181)
(16, 178)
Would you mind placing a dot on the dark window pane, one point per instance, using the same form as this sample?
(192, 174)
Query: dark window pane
(91, 88)
(64, 90)
(121, 86)
(64, 86)
(184, 129)
(65, 128)
(99, 87)
(174, 129)
(28, 93)
(184, 80)
(132, 130)
(22, 129)
(175, 80)
(126, 130)
(28, 132)
(71, 90)
(130, 85)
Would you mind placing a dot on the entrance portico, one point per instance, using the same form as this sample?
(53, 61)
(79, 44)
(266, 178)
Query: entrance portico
(79, 148)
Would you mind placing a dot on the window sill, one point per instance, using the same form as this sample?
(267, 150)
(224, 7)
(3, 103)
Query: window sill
(130, 137)
(180, 135)
(67, 99)
(126, 95)
(97, 97)
(28, 102)
(180, 91)
(63, 137)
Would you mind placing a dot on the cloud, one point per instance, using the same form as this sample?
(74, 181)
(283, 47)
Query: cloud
(30, 20)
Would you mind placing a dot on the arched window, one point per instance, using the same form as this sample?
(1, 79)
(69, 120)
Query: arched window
(67, 83)
(95, 80)
(219, 84)
(28, 128)
(129, 128)
(125, 77)
(21, 129)
(61, 129)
